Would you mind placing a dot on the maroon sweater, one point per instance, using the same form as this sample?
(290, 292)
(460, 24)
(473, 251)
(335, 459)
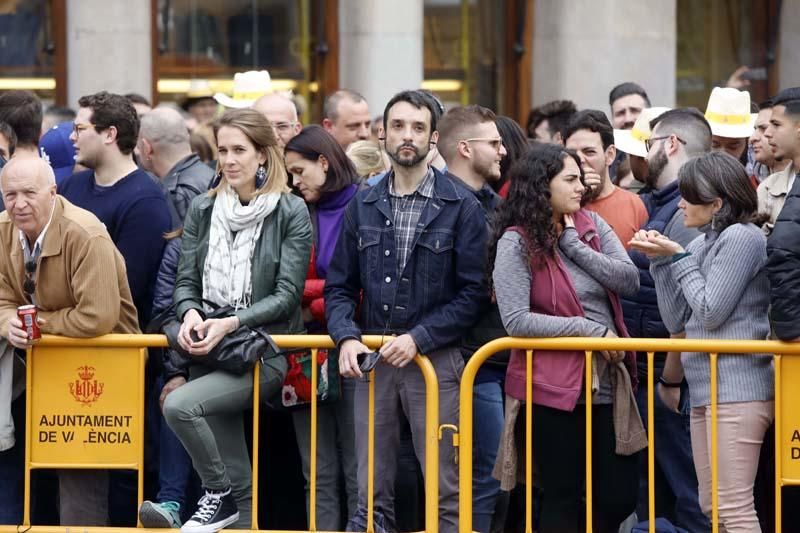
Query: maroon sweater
(558, 376)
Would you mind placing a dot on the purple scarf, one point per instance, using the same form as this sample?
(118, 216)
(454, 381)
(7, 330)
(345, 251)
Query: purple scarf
(328, 217)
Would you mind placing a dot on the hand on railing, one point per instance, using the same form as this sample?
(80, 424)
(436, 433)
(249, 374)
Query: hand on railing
(399, 351)
(348, 358)
(612, 356)
(18, 335)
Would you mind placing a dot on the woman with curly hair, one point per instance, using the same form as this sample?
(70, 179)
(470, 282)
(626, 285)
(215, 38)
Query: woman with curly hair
(558, 272)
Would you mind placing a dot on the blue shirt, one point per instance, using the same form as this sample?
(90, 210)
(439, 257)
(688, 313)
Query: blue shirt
(136, 216)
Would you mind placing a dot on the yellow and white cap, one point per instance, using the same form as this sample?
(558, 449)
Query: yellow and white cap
(728, 113)
(247, 88)
(632, 141)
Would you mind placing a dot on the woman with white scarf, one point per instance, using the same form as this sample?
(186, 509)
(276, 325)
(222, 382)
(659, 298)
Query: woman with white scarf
(246, 244)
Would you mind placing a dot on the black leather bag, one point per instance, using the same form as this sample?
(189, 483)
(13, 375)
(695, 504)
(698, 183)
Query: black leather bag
(237, 352)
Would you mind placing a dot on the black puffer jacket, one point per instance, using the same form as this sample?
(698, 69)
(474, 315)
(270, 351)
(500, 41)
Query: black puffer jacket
(783, 268)
(162, 307)
(167, 271)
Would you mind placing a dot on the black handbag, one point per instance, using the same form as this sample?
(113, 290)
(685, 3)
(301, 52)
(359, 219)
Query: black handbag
(237, 352)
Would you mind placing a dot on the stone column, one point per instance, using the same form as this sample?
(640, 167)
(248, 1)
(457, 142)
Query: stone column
(789, 45)
(108, 48)
(583, 48)
(380, 48)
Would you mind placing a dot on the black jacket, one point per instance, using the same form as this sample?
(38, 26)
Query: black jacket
(783, 268)
(490, 325)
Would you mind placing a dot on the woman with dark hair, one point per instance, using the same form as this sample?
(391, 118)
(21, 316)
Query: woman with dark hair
(516, 143)
(558, 272)
(327, 180)
(245, 244)
(717, 288)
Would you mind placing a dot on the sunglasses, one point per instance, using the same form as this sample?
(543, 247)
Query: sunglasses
(29, 285)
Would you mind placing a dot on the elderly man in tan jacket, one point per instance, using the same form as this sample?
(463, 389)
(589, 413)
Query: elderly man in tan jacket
(60, 258)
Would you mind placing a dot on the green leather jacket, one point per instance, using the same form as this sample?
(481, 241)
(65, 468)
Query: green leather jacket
(280, 262)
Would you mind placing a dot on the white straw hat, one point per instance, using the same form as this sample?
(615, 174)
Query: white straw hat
(728, 113)
(247, 88)
(632, 141)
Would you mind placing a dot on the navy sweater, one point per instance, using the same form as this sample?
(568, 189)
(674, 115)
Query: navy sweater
(136, 216)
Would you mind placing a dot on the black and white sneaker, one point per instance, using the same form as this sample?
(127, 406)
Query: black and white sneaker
(215, 510)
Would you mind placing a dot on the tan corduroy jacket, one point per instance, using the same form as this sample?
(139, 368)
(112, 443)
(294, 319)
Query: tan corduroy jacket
(81, 283)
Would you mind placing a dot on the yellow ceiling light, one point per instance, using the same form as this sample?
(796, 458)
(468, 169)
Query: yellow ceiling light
(180, 86)
(30, 84)
(442, 85)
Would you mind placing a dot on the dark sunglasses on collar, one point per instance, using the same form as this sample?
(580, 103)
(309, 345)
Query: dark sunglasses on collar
(29, 285)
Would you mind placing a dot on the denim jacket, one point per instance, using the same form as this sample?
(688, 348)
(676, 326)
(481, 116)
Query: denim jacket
(442, 289)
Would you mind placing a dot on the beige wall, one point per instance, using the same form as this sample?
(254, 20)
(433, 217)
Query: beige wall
(108, 47)
(380, 48)
(789, 47)
(583, 48)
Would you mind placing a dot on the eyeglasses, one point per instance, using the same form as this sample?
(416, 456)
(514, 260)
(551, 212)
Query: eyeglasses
(648, 143)
(78, 128)
(283, 127)
(29, 285)
(494, 142)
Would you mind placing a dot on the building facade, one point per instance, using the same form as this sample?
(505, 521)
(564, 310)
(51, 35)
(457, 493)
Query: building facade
(509, 55)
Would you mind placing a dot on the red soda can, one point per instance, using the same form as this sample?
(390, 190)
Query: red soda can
(27, 313)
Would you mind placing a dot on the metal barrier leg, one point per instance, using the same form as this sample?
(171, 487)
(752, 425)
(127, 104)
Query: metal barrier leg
(529, 441)
(371, 454)
(312, 473)
(140, 470)
(714, 451)
(778, 445)
(651, 446)
(588, 397)
(26, 509)
(256, 415)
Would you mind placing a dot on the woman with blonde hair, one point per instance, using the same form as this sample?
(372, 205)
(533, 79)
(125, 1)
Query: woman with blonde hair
(368, 158)
(246, 244)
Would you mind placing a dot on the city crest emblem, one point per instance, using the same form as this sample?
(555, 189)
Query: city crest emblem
(86, 390)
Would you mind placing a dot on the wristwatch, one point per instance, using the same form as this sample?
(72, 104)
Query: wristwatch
(666, 383)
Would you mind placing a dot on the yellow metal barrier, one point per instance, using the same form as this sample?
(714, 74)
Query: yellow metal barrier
(56, 357)
(783, 462)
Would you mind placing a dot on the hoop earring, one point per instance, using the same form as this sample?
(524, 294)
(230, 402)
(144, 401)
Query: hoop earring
(261, 176)
(216, 181)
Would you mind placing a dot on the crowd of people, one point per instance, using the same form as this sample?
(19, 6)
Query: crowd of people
(442, 229)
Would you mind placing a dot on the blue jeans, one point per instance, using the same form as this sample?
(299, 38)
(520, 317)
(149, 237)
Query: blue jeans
(12, 469)
(174, 465)
(488, 415)
(676, 479)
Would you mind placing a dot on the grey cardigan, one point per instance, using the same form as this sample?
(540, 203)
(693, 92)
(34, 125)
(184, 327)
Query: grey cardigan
(720, 291)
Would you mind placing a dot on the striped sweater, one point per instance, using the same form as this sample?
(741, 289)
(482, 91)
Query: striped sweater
(720, 291)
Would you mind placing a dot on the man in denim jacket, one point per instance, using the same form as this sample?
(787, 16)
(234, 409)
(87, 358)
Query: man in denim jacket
(415, 245)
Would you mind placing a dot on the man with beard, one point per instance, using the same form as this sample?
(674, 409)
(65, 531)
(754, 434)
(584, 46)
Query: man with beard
(677, 135)
(590, 134)
(472, 146)
(627, 100)
(409, 262)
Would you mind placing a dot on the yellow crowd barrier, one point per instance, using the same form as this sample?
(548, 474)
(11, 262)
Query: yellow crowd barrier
(787, 416)
(85, 410)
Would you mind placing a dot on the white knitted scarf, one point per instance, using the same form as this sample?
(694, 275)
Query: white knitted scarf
(235, 230)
